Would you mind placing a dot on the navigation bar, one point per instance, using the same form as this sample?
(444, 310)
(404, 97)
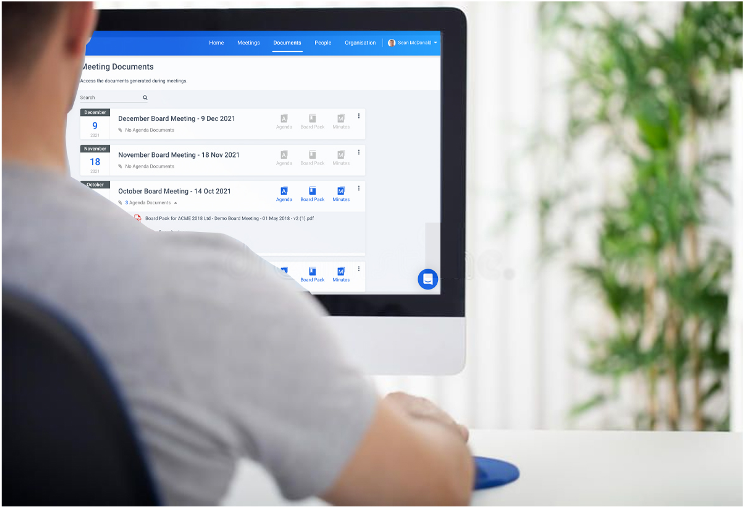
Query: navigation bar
(264, 43)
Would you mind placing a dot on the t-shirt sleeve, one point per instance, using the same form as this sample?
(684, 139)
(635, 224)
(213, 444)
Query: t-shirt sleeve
(298, 406)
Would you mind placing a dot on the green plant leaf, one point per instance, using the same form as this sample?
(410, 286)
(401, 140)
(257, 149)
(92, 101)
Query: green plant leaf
(713, 389)
(587, 405)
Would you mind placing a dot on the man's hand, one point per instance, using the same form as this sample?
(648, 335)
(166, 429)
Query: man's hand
(418, 407)
(412, 453)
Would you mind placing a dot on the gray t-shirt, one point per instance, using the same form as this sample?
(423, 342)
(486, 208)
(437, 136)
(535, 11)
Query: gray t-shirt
(218, 356)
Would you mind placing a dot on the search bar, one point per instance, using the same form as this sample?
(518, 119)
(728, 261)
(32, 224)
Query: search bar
(112, 98)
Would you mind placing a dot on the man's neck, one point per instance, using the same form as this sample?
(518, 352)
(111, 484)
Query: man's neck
(34, 127)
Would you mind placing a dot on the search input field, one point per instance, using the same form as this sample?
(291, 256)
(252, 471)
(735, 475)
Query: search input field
(111, 97)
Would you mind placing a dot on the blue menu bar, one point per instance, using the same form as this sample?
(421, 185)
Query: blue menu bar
(264, 43)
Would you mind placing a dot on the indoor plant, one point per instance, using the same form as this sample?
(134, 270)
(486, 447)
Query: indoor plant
(658, 94)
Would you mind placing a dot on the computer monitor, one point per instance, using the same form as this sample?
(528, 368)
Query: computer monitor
(330, 141)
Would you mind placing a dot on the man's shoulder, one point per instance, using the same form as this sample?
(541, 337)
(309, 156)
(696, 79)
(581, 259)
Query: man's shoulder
(211, 253)
(54, 219)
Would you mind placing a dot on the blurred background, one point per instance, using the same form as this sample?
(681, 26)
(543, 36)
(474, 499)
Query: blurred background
(604, 273)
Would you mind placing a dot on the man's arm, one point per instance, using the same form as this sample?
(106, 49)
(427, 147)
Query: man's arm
(413, 453)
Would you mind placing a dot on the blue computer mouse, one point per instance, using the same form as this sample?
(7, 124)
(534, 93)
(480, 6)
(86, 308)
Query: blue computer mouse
(494, 473)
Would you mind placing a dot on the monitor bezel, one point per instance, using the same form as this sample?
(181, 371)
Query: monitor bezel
(452, 24)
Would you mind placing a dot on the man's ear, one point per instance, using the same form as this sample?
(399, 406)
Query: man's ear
(80, 21)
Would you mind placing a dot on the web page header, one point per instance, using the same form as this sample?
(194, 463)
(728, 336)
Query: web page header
(224, 43)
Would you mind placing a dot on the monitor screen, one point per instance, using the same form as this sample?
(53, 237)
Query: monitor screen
(318, 150)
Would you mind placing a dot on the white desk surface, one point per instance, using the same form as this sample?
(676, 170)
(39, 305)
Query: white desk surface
(583, 468)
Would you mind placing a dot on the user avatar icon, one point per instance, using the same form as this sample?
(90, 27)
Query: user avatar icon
(391, 43)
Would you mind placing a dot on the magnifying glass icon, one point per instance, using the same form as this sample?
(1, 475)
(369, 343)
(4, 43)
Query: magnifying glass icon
(144, 97)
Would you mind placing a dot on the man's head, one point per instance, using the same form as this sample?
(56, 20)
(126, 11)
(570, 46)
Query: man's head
(45, 40)
(43, 54)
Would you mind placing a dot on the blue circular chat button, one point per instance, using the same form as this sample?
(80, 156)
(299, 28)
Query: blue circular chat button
(428, 279)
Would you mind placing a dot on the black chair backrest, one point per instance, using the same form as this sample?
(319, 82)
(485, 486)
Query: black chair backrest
(67, 437)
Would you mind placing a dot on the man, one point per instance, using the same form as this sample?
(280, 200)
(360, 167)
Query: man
(218, 357)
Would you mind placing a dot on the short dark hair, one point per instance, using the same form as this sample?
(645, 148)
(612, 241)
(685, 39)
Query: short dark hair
(25, 31)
